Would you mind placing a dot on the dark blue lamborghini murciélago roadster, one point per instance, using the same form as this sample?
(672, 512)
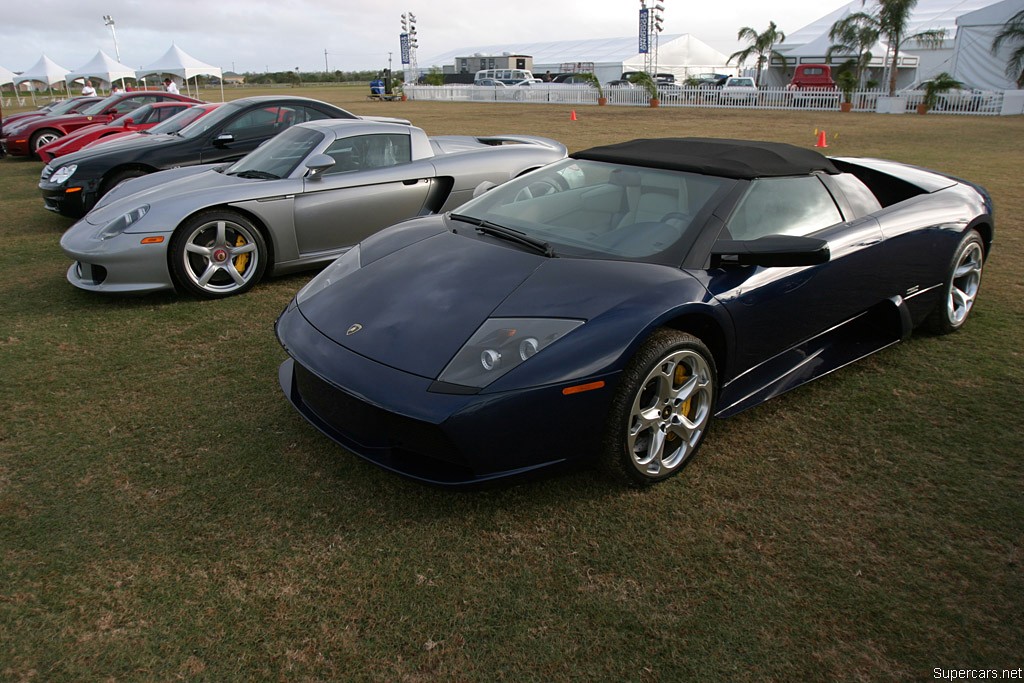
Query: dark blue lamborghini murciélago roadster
(605, 307)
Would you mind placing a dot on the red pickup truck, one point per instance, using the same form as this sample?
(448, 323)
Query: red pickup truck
(813, 86)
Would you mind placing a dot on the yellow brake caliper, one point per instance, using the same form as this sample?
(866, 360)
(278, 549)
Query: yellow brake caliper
(679, 378)
(242, 260)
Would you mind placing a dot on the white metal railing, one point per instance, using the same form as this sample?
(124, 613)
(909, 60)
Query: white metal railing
(959, 102)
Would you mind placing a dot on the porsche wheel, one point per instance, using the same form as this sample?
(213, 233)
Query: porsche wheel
(661, 411)
(217, 254)
(961, 287)
(44, 137)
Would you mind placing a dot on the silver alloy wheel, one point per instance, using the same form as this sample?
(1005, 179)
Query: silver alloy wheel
(963, 286)
(670, 413)
(221, 256)
(45, 139)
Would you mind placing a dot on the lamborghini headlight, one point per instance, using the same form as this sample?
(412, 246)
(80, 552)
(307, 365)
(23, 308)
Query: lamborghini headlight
(121, 223)
(501, 344)
(63, 174)
(342, 266)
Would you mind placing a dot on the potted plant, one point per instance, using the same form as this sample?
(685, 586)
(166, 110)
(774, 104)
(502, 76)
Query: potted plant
(593, 80)
(847, 83)
(644, 80)
(941, 83)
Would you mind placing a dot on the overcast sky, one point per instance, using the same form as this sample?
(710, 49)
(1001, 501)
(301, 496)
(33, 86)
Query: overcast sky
(258, 35)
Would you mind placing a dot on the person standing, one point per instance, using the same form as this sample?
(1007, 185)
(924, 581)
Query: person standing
(87, 89)
(170, 86)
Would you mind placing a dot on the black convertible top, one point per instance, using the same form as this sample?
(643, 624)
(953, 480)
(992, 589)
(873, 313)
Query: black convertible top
(710, 156)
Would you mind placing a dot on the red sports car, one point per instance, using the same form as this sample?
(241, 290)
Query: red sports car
(146, 116)
(171, 125)
(23, 139)
(72, 105)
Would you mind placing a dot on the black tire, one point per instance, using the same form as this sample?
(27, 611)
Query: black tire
(960, 290)
(216, 254)
(653, 432)
(44, 137)
(119, 177)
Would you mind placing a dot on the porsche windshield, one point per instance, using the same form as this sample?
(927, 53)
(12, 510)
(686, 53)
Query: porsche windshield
(278, 157)
(601, 208)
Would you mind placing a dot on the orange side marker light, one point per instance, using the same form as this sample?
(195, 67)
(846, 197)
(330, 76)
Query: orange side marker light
(580, 388)
(158, 239)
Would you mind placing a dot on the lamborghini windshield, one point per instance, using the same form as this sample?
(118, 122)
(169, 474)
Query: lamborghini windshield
(598, 208)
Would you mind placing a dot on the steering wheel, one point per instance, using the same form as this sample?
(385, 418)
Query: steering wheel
(683, 218)
(541, 187)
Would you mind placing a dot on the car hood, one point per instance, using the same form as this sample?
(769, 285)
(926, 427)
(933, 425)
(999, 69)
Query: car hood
(422, 291)
(138, 145)
(181, 191)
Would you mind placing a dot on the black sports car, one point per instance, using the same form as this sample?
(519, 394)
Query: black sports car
(607, 306)
(72, 184)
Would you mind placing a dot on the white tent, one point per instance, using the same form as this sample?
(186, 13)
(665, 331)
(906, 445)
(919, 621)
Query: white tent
(973, 61)
(809, 43)
(177, 62)
(102, 67)
(7, 76)
(45, 71)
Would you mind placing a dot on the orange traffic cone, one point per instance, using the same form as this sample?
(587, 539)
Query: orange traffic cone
(572, 117)
(822, 142)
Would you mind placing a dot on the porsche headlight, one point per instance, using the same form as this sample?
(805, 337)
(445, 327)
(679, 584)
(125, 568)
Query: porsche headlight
(501, 344)
(63, 174)
(121, 223)
(342, 266)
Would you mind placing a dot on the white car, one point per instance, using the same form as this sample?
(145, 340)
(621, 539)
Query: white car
(738, 90)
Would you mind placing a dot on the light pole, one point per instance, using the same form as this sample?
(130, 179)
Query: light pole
(109, 21)
(652, 21)
(409, 43)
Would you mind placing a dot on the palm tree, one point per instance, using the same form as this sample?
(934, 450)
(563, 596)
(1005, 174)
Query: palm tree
(892, 18)
(761, 44)
(853, 35)
(1013, 32)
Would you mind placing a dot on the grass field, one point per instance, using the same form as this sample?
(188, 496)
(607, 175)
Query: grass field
(165, 514)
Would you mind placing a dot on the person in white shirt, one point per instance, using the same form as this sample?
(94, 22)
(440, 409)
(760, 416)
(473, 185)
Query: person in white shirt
(87, 89)
(169, 86)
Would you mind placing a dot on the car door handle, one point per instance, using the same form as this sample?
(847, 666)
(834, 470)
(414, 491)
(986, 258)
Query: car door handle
(412, 182)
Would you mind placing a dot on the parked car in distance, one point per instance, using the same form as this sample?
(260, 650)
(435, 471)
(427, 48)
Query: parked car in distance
(72, 184)
(55, 108)
(812, 85)
(738, 90)
(24, 139)
(146, 116)
(630, 299)
(171, 125)
(953, 99)
(295, 203)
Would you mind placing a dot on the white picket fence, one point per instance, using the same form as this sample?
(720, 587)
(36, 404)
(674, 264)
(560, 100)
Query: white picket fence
(964, 102)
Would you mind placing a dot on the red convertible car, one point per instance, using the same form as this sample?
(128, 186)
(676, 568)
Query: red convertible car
(23, 139)
(72, 105)
(171, 125)
(143, 118)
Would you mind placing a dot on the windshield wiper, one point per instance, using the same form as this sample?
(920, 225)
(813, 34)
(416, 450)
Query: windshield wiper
(260, 175)
(509, 234)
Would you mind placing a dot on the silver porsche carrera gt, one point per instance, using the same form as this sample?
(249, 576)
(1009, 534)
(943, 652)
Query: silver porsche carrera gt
(297, 202)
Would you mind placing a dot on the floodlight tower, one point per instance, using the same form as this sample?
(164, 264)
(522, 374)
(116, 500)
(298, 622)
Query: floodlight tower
(657, 26)
(109, 21)
(409, 43)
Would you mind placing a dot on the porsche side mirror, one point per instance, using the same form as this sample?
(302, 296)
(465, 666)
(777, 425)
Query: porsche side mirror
(483, 187)
(770, 251)
(318, 163)
(223, 139)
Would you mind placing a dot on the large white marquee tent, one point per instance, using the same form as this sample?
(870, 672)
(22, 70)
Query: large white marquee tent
(177, 62)
(102, 67)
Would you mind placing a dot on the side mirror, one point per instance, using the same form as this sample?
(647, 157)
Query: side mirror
(485, 186)
(128, 122)
(318, 163)
(223, 139)
(770, 251)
